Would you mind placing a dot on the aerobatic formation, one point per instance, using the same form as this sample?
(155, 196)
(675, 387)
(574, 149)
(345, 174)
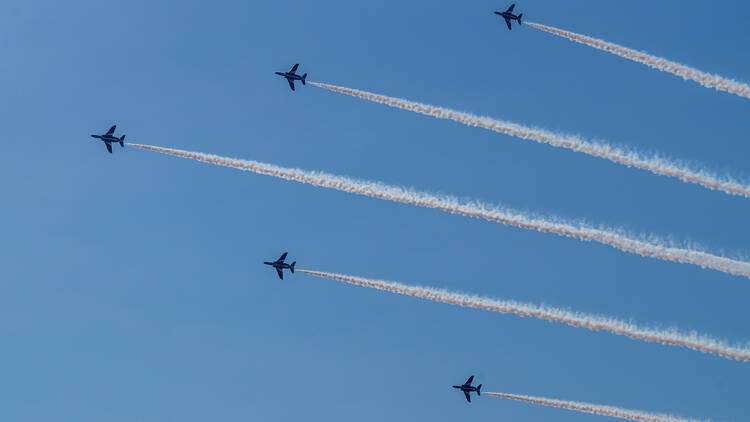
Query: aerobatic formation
(611, 237)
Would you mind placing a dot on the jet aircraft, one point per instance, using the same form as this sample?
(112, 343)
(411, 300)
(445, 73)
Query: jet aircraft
(468, 388)
(109, 138)
(509, 16)
(291, 76)
(280, 265)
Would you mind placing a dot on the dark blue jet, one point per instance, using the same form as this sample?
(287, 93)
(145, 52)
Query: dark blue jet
(468, 388)
(280, 265)
(109, 138)
(291, 76)
(509, 16)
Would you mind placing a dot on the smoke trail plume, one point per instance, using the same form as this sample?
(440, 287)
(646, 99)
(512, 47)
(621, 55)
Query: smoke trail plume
(597, 409)
(654, 164)
(686, 72)
(474, 209)
(669, 337)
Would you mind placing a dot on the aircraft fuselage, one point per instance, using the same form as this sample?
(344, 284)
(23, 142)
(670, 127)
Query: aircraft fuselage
(291, 76)
(106, 138)
(283, 266)
(466, 388)
(507, 15)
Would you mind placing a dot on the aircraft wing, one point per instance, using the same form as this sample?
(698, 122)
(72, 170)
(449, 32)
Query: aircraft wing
(468, 381)
(282, 257)
(294, 68)
(109, 147)
(468, 397)
(291, 84)
(512, 6)
(281, 273)
(111, 130)
(507, 22)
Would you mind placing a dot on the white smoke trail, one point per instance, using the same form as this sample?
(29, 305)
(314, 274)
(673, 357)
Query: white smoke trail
(597, 409)
(473, 209)
(654, 164)
(669, 337)
(686, 72)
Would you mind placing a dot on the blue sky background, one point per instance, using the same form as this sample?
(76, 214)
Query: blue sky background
(131, 285)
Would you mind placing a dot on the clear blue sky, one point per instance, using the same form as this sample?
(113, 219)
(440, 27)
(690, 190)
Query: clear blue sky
(131, 285)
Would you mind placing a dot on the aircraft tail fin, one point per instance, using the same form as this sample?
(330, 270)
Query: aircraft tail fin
(519, 18)
(122, 141)
(479, 387)
(303, 78)
(291, 267)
